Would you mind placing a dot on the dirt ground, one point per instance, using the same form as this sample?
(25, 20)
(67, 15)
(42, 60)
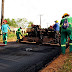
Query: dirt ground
(55, 65)
(11, 40)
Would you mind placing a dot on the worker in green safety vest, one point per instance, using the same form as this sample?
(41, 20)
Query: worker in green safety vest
(66, 31)
(18, 33)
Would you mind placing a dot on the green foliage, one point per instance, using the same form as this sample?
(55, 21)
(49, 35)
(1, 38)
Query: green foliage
(30, 22)
(0, 30)
(25, 34)
(22, 22)
(19, 20)
(67, 67)
(14, 23)
(11, 35)
(11, 22)
(0, 33)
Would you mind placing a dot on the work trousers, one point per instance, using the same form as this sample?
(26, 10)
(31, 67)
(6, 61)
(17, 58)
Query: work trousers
(64, 34)
(18, 37)
(56, 37)
(5, 38)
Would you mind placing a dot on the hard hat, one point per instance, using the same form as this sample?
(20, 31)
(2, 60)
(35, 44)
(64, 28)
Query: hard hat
(56, 21)
(20, 27)
(65, 14)
(62, 16)
(5, 21)
(32, 24)
(29, 25)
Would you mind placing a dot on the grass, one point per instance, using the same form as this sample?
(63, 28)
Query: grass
(25, 34)
(11, 36)
(67, 67)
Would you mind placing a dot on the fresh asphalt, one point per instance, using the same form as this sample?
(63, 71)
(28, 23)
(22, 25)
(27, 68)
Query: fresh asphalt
(19, 57)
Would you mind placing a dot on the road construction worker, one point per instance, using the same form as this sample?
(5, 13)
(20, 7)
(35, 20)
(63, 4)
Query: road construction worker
(66, 30)
(51, 28)
(67, 38)
(35, 30)
(56, 30)
(36, 27)
(4, 31)
(18, 33)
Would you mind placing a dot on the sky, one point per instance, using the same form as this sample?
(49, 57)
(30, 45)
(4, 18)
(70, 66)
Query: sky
(50, 10)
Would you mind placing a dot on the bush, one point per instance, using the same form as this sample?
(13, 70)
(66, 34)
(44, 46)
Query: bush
(0, 31)
(11, 35)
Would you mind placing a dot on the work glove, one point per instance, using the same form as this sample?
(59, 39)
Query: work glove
(22, 35)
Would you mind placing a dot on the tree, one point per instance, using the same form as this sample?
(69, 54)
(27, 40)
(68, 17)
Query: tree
(22, 22)
(8, 21)
(19, 20)
(2, 12)
(30, 23)
(12, 22)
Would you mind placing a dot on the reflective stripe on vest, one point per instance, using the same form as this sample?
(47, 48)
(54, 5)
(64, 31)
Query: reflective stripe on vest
(63, 45)
(18, 31)
(60, 25)
(70, 43)
(66, 42)
(69, 23)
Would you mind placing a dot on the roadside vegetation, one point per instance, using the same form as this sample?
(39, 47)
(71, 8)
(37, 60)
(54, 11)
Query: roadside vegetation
(19, 22)
(12, 36)
(67, 67)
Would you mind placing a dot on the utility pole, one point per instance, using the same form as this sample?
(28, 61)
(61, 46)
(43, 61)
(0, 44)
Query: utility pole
(47, 25)
(2, 12)
(40, 21)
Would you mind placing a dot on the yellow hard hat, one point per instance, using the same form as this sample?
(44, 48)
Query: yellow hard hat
(56, 21)
(29, 25)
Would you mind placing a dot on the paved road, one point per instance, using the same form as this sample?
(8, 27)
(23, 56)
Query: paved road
(26, 57)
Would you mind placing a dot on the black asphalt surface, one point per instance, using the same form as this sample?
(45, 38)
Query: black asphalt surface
(26, 57)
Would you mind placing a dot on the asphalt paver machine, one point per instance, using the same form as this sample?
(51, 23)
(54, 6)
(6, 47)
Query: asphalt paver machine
(40, 36)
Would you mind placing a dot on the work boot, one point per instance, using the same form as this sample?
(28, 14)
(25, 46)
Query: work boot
(4, 42)
(67, 45)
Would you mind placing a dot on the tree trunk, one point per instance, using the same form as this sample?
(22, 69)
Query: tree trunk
(2, 12)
